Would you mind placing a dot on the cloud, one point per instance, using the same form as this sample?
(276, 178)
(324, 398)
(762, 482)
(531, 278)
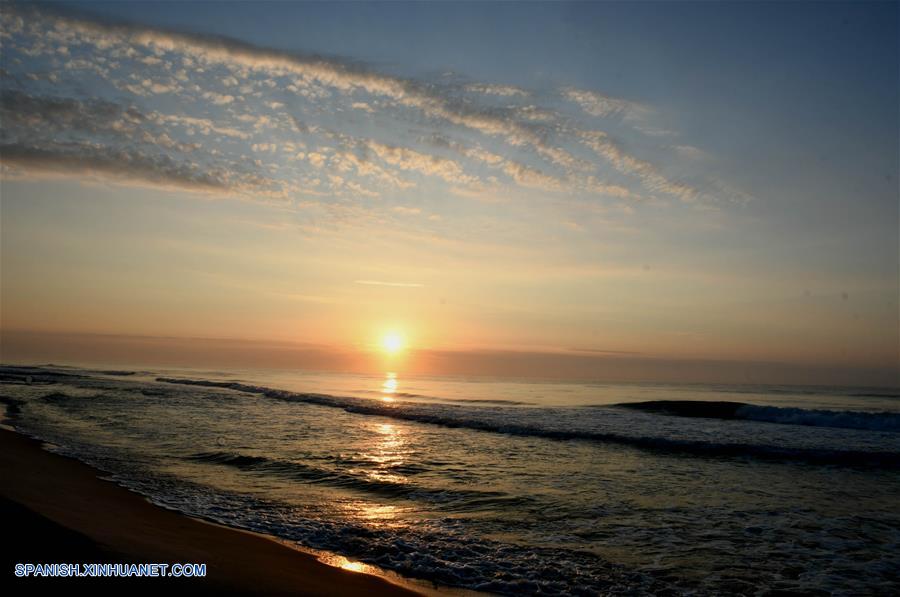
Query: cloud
(409, 211)
(407, 159)
(99, 138)
(347, 160)
(530, 177)
(329, 72)
(501, 90)
(279, 122)
(121, 165)
(219, 99)
(361, 190)
(316, 159)
(604, 351)
(645, 171)
(31, 113)
(396, 284)
(690, 152)
(598, 104)
(203, 125)
(520, 173)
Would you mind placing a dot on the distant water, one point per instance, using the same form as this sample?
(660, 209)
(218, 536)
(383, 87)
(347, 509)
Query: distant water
(507, 487)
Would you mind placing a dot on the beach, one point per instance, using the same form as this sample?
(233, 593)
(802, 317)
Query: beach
(450, 298)
(59, 510)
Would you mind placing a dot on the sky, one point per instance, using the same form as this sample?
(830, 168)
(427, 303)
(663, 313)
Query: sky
(692, 191)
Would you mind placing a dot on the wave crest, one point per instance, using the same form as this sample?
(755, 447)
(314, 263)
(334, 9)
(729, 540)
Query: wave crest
(461, 417)
(872, 421)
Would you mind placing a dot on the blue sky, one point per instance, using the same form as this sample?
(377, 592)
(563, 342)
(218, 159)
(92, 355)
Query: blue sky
(676, 180)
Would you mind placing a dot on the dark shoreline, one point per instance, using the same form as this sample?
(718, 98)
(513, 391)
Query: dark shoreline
(56, 510)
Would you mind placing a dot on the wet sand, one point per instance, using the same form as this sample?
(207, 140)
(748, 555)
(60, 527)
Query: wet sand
(56, 509)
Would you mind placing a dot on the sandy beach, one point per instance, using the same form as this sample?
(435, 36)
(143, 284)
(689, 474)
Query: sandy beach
(56, 509)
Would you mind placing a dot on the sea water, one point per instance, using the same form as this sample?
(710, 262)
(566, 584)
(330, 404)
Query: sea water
(503, 486)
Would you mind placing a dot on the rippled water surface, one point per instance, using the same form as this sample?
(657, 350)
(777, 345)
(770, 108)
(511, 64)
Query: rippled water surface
(507, 487)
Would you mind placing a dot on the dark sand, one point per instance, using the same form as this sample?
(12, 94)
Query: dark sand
(56, 509)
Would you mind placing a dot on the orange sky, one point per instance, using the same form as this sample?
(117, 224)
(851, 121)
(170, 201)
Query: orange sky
(143, 351)
(561, 215)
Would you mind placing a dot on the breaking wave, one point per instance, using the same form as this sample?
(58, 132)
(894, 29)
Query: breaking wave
(878, 421)
(509, 421)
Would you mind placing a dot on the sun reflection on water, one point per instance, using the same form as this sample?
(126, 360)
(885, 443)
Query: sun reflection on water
(345, 564)
(389, 386)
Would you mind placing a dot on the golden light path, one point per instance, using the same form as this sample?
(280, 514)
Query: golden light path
(346, 564)
(389, 387)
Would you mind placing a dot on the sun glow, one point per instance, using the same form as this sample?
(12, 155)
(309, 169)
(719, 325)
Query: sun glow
(392, 342)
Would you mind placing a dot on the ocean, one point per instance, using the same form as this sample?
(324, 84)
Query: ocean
(502, 486)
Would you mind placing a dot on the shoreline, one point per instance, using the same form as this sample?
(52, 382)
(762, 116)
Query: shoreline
(58, 509)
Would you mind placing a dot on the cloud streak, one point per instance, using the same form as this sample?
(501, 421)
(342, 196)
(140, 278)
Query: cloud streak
(598, 104)
(252, 121)
(122, 166)
(394, 284)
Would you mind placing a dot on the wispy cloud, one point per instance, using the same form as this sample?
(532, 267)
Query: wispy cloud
(265, 123)
(649, 174)
(501, 90)
(599, 104)
(99, 138)
(122, 165)
(382, 283)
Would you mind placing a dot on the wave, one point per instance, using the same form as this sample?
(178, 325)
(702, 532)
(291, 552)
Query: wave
(13, 406)
(880, 421)
(883, 421)
(57, 397)
(432, 551)
(494, 401)
(460, 417)
(459, 499)
(28, 375)
(776, 390)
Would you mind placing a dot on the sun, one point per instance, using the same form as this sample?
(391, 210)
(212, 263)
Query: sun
(392, 342)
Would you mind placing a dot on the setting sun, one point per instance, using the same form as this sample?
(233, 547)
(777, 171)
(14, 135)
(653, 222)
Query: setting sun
(392, 342)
